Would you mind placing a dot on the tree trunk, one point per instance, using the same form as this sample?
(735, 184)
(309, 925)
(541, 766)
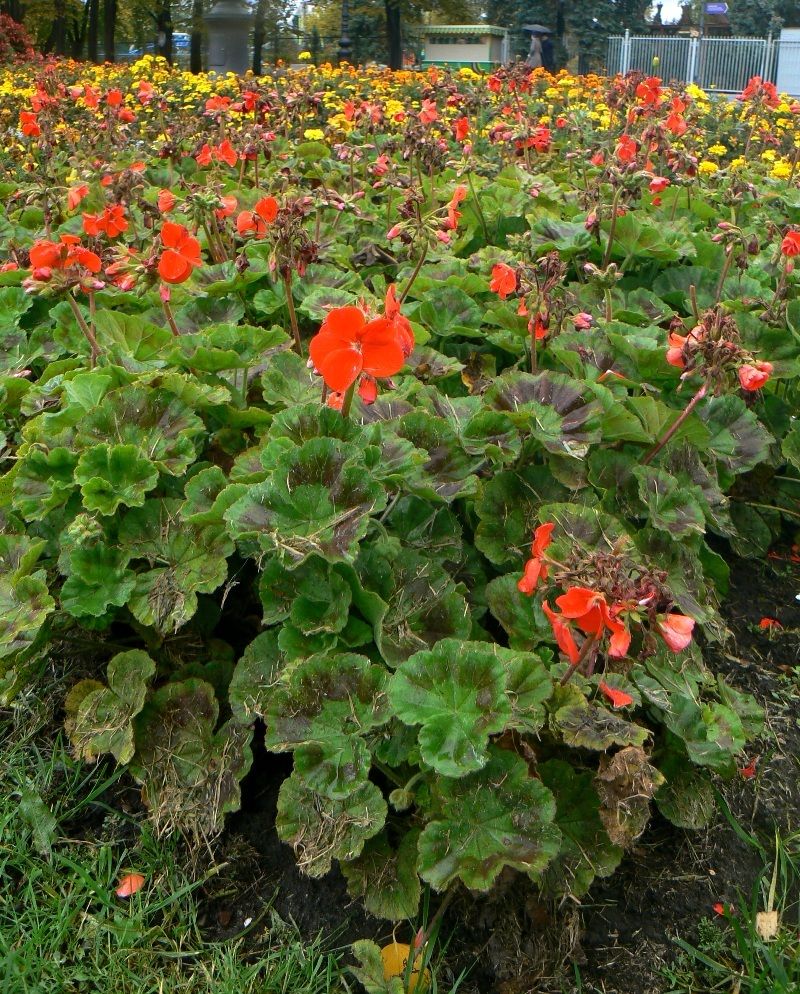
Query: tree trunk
(164, 27)
(259, 35)
(93, 11)
(394, 36)
(109, 28)
(196, 44)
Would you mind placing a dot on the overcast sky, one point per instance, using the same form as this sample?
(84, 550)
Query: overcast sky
(671, 11)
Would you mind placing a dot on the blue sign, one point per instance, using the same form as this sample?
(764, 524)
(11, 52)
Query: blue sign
(716, 8)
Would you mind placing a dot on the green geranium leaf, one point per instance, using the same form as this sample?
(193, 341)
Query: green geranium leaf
(98, 578)
(457, 693)
(190, 771)
(508, 508)
(528, 685)
(314, 596)
(481, 823)
(687, 796)
(131, 341)
(24, 606)
(321, 829)
(411, 601)
(589, 726)
(738, 439)
(320, 710)
(111, 475)
(100, 719)
(43, 481)
(522, 621)
(448, 471)
(558, 411)
(385, 878)
(185, 559)
(254, 677)
(586, 851)
(317, 501)
(371, 973)
(153, 419)
(673, 507)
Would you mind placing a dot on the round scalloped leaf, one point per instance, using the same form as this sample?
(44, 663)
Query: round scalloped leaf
(673, 507)
(481, 823)
(190, 772)
(419, 604)
(738, 439)
(287, 381)
(317, 501)
(491, 434)
(687, 798)
(448, 471)
(99, 578)
(508, 508)
(528, 685)
(589, 726)
(321, 829)
(24, 605)
(302, 423)
(202, 505)
(320, 710)
(101, 720)
(626, 782)
(386, 879)
(43, 481)
(457, 693)
(586, 851)
(562, 413)
(254, 677)
(521, 618)
(151, 418)
(110, 475)
(186, 559)
(314, 596)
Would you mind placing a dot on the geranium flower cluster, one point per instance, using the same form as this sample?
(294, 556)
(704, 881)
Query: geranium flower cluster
(607, 599)
(712, 349)
(352, 346)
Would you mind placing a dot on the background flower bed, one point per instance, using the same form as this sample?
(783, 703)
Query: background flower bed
(181, 499)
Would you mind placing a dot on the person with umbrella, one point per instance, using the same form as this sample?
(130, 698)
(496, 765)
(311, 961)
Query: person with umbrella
(536, 53)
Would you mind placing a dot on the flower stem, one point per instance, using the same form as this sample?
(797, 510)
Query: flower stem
(612, 228)
(724, 274)
(87, 331)
(287, 282)
(478, 208)
(676, 424)
(585, 652)
(348, 400)
(170, 318)
(414, 275)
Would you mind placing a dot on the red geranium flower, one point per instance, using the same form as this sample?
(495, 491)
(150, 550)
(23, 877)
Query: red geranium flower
(535, 567)
(257, 220)
(627, 149)
(676, 630)
(658, 184)
(563, 636)
(461, 128)
(790, 245)
(181, 253)
(504, 280)
(29, 124)
(75, 195)
(618, 698)
(166, 201)
(402, 326)
(347, 344)
(753, 377)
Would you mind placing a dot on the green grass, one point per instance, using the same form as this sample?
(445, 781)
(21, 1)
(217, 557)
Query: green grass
(731, 954)
(62, 928)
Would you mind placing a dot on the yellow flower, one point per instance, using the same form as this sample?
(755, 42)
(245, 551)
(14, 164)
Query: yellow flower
(304, 56)
(717, 150)
(769, 155)
(707, 168)
(314, 134)
(781, 170)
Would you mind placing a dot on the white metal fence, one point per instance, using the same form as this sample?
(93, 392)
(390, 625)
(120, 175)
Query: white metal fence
(723, 64)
